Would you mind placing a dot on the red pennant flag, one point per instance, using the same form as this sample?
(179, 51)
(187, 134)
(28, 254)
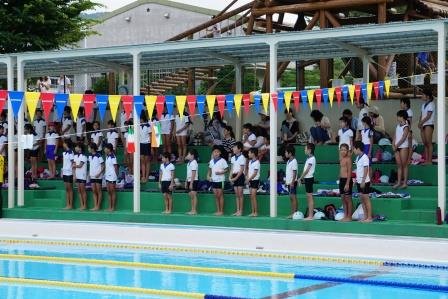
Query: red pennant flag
(47, 104)
(274, 99)
(338, 91)
(318, 94)
(376, 89)
(3, 96)
(160, 106)
(88, 99)
(296, 97)
(128, 102)
(191, 100)
(246, 102)
(358, 93)
(221, 99)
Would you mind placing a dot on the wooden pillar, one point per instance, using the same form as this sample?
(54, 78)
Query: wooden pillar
(111, 85)
(300, 76)
(269, 29)
(324, 65)
(382, 60)
(191, 82)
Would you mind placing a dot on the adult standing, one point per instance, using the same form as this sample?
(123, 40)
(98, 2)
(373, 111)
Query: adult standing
(64, 84)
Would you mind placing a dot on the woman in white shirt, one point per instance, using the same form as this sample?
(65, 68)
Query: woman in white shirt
(217, 168)
(426, 125)
(401, 148)
(182, 124)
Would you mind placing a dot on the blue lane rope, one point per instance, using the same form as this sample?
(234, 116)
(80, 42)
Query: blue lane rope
(413, 265)
(384, 283)
(221, 297)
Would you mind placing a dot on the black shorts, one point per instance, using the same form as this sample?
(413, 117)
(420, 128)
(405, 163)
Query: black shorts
(365, 190)
(80, 181)
(111, 182)
(165, 187)
(292, 189)
(432, 126)
(240, 181)
(342, 182)
(145, 149)
(34, 153)
(80, 139)
(308, 184)
(195, 186)
(67, 178)
(96, 181)
(217, 185)
(254, 184)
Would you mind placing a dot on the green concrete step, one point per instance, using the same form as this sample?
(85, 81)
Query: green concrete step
(426, 204)
(419, 215)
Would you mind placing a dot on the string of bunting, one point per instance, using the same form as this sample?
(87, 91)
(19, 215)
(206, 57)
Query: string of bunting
(231, 102)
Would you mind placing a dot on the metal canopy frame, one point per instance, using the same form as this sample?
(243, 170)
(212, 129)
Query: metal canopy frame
(364, 41)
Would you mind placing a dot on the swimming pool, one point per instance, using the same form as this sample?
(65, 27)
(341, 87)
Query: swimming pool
(48, 269)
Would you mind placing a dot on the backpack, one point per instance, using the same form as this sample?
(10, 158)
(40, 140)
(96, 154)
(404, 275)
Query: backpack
(330, 211)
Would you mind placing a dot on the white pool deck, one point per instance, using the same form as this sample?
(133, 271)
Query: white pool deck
(267, 241)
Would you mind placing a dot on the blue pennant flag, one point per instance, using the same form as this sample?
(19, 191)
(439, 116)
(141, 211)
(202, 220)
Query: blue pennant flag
(381, 89)
(16, 98)
(200, 100)
(169, 101)
(257, 100)
(138, 104)
(364, 91)
(101, 101)
(325, 96)
(304, 97)
(345, 92)
(280, 101)
(61, 101)
(230, 98)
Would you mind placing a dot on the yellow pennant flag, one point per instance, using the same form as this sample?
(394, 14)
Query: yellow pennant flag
(180, 102)
(387, 87)
(150, 104)
(310, 94)
(331, 96)
(237, 100)
(211, 104)
(114, 102)
(31, 99)
(75, 103)
(351, 91)
(265, 100)
(288, 95)
(369, 91)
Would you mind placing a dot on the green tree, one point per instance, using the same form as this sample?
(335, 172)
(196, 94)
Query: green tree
(37, 25)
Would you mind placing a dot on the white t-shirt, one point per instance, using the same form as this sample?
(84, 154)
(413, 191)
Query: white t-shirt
(310, 161)
(35, 142)
(253, 166)
(81, 173)
(95, 136)
(250, 138)
(366, 134)
(52, 138)
(95, 162)
(3, 146)
(111, 175)
(61, 85)
(192, 166)
(218, 166)
(363, 112)
(426, 108)
(67, 160)
(260, 142)
(66, 122)
(39, 127)
(181, 122)
(112, 137)
(165, 172)
(237, 162)
(291, 166)
(165, 123)
(410, 113)
(145, 130)
(345, 136)
(80, 123)
(399, 131)
(4, 124)
(361, 163)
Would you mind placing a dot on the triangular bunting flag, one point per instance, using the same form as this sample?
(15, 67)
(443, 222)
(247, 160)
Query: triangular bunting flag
(191, 100)
(304, 97)
(128, 102)
(160, 107)
(61, 101)
(376, 89)
(369, 91)
(75, 103)
(31, 100)
(338, 92)
(318, 94)
(180, 103)
(200, 99)
(265, 99)
(288, 97)
(387, 87)
(47, 99)
(381, 89)
(345, 92)
(325, 96)
(88, 99)
(211, 104)
(3, 96)
(130, 141)
(357, 92)
(274, 100)
(246, 102)
(296, 97)
(101, 101)
(364, 92)
(331, 95)
(169, 101)
(138, 104)
(156, 134)
(114, 102)
(351, 91)
(150, 104)
(310, 97)
(238, 99)
(257, 101)
(221, 99)
(281, 100)
(229, 103)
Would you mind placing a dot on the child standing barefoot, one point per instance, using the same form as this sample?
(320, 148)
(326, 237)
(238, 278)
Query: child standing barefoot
(405, 104)
(51, 148)
(67, 172)
(166, 182)
(345, 181)
(291, 177)
(308, 178)
(400, 146)
(191, 184)
(96, 172)
(253, 179)
(236, 178)
(80, 166)
(217, 169)
(363, 180)
(111, 175)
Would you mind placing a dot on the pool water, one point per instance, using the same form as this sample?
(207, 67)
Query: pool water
(86, 266)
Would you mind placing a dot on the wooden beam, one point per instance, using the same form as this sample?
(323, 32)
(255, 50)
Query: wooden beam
(334, 22)
(313, 21)
(244, 19)
(226, 8)
(266, 81)
(382, 19)
(324, 65)
(250, 24)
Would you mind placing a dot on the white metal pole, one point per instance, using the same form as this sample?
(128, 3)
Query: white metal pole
(136, 91)
(20, 128)
(238, 90)
(11, 161)
(273, 131)
(365, 70)
(441, 132)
